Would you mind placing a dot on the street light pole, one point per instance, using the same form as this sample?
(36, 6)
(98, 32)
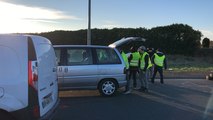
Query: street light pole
(89, 23)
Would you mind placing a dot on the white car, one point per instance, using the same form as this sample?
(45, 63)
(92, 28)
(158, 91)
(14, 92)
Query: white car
(28, 78)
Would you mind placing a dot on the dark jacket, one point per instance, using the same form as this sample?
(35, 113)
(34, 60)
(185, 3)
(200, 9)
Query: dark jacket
(151, 53)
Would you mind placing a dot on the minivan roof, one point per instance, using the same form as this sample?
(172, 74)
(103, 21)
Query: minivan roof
(88, 46)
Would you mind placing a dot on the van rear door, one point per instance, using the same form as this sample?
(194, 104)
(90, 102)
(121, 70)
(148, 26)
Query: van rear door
(47, 76)
(13, 75)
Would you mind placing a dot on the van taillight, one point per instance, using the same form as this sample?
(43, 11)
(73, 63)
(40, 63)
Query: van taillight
(33, 74)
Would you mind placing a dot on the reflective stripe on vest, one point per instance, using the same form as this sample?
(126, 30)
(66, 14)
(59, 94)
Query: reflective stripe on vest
(142, 65)
(135, 59)
(159, 60)
(124, 56)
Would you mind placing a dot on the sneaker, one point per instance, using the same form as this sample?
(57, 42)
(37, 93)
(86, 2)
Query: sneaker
(127, 92)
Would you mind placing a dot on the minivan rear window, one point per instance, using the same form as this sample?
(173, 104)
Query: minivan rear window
(107, 56)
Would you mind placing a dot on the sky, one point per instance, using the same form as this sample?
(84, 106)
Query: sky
(35, 16)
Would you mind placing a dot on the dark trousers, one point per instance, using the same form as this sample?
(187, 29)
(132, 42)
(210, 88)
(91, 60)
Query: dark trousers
(133, 74)
(160, 70)
(128, 81)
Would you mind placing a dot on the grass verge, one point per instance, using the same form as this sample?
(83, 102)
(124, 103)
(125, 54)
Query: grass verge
(180, 63)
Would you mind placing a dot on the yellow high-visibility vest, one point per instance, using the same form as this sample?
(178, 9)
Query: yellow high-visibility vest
(159, 60)
(125, 58)
(135, 59)
(142, 60)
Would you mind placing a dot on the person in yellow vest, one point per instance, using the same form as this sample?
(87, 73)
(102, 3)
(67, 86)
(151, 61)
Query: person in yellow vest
(151, 52)
(134, 65)
(145, 64)
(159, 60)
(126, 61)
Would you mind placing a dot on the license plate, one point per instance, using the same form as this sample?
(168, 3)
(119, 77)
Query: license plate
(47, 100)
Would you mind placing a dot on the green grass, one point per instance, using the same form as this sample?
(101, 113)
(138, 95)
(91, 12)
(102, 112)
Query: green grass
(189, 64)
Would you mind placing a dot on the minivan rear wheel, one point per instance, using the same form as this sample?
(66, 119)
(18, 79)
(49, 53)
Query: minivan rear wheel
(108, 87)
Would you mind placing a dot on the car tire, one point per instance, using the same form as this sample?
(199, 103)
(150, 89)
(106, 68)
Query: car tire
(5, 116)
(108, 87)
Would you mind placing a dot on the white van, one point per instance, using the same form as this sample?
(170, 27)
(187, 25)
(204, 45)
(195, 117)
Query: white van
(28, 78)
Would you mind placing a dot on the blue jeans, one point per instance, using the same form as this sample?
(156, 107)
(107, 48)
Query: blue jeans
(144, 75)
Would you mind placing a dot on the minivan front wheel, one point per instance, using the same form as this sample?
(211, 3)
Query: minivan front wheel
(107, 87)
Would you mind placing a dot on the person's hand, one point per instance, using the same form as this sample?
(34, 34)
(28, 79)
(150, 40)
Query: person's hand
(139, 70)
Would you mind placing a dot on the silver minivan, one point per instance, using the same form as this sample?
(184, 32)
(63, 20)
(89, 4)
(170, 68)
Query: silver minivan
(90, 67)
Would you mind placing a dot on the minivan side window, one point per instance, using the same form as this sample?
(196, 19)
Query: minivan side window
(58, 56)
(107, 56)
(79, 56)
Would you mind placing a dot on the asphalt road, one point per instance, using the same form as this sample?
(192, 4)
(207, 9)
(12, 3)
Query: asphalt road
(177, 99)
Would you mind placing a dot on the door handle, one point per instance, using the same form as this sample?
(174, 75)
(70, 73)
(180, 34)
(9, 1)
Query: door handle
(60, 69)
(54, 69)
(65, 69)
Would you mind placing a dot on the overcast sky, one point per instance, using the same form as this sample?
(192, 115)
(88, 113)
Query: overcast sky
(18, 16)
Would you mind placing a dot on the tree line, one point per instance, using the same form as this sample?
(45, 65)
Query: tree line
(172, 39)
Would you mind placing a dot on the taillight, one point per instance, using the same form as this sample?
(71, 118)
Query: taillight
(33, 74)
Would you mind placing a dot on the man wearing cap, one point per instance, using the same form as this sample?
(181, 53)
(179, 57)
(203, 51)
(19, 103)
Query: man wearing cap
(151, 52)
(145, 64)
